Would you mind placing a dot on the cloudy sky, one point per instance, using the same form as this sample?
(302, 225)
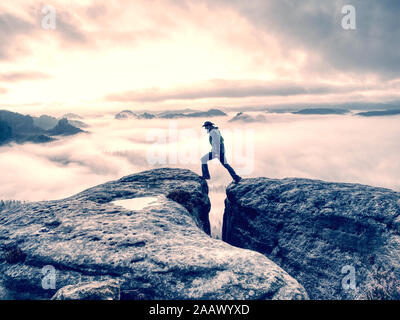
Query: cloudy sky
(154, 54)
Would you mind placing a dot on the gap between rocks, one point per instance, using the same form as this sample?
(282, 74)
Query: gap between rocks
(217, 198)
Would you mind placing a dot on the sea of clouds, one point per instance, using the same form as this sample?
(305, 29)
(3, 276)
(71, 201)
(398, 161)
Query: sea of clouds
(339, 148)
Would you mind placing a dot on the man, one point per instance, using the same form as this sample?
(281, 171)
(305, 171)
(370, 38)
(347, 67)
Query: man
(218, 151)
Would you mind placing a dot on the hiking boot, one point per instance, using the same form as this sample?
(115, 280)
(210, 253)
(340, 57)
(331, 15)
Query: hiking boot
(237, 179)
(205, 172)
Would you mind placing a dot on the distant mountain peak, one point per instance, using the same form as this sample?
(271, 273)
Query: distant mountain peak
(244, 117)
(71, 116)
(64, 128)
(321, 111)
(170, 114)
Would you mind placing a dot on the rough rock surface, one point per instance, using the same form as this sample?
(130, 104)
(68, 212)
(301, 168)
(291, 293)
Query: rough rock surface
(313, 229)
(96, 290)
(158, 251)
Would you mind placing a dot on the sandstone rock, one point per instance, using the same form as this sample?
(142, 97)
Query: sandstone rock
(96, 290)
(147, 231)
(315, 230)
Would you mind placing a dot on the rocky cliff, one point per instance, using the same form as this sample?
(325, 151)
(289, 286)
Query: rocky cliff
(339, 240)
(15, 127)
(63, 127)
(144, 236)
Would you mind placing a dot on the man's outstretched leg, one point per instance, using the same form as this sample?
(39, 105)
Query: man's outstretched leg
(232, 172)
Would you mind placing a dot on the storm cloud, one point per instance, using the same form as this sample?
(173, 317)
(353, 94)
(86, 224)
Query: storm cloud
(11, 27)
(316, 26)
(228, 52)
(18, 30)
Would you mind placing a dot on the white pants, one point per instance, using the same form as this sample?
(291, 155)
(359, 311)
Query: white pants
(209, 156)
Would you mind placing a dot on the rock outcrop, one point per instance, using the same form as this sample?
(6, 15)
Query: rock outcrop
(244, 117)
(45, 122)
(321, 233)
(15, 127)
(128, 114)
(5, 132)
(64, 128)
(125, 114)
(145, 234)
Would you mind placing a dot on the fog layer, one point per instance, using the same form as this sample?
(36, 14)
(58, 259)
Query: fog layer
(340, 148)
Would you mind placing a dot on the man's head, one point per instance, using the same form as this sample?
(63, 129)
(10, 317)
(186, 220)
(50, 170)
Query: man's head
(208, 125)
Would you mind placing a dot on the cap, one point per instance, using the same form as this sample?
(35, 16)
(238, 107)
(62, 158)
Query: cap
(207, 123)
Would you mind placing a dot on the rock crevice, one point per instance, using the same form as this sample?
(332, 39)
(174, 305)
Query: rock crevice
(102, 248)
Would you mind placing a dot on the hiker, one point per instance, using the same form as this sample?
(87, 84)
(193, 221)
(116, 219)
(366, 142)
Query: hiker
(218, 151)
